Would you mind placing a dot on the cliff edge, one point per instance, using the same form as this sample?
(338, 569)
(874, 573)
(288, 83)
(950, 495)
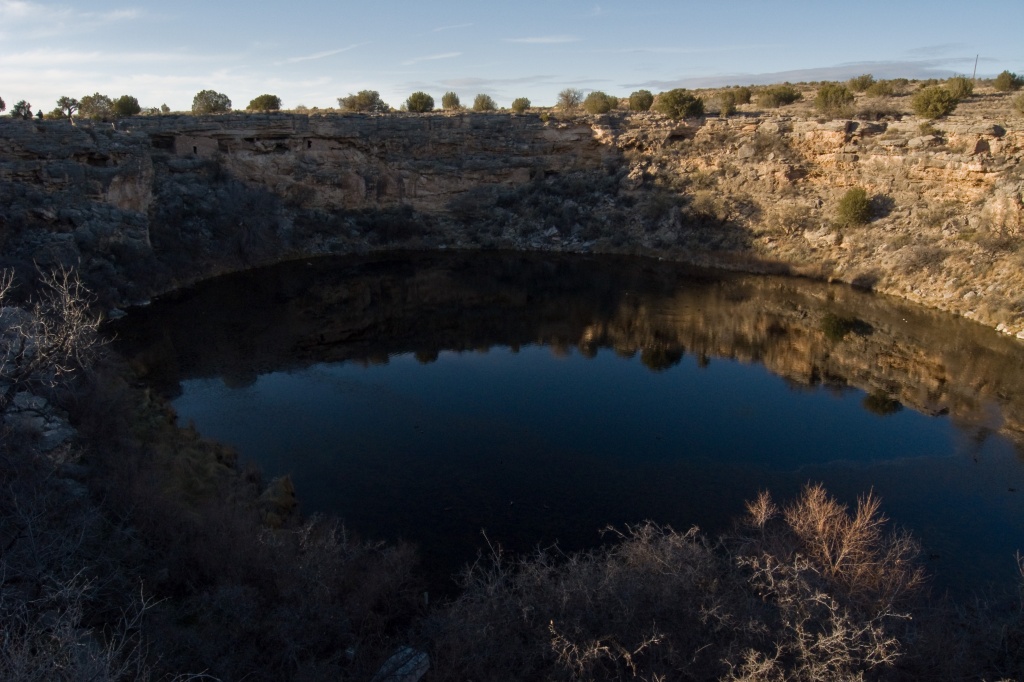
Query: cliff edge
(152, 203)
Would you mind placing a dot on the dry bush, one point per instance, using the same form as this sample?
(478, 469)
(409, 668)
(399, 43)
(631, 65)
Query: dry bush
(928, 257)
(789, 218)
(774, 96)
(45, 346)
(643, 607)
(839, 584)
(856, 552)
(243, 600)
(811, 592)
(68, 610)
(710, 208)
(936, 215)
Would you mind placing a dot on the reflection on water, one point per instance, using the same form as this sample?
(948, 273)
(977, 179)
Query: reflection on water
(429, 397)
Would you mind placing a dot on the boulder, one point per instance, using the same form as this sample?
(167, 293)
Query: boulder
(405, 665)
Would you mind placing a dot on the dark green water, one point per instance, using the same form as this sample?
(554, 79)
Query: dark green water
(539, 399)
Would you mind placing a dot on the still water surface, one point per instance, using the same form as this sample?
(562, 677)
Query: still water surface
(433, 398)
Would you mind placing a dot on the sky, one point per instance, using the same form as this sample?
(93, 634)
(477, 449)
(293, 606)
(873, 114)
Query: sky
(311, 53)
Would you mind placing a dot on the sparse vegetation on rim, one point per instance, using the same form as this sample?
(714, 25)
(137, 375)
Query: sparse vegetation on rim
(520, 104)
(484, 103)
(570, 99)
(679, 103)
(861, 83)
(22, 110)
(419, 103)
(265, 103)
(934, 102)
(834, 99)
(1018, 104)
(598, 102)
(210, 102)
(1008, 81)
(364, 101)
(960, 87)
(641, 100)
(125, 105)
(450, 101)
(775, 96)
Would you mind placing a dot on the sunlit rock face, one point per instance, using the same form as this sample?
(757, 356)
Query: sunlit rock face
(151, 203)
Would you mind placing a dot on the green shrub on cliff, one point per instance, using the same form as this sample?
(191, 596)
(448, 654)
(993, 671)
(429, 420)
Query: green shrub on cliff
(365, 101)
(265, 103)
(778, 95)
(880, 89)
(861, 83)
(520, 104)
(210, 102)
(679, 103)
(833, 99)
(96, 106)
(68, 106)
(22, 110)
(1008, 81)
(854, 208)
(742, 94)
(419, 103)
(125, 106)
(726, 103)
(641, 100)
(450, 101)
(933, 102)
(1018, 104)
(3, 104)
(960, 87)
(484, 103)
(598, 102)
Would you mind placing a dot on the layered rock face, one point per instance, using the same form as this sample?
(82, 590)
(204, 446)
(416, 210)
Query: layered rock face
(156, 202)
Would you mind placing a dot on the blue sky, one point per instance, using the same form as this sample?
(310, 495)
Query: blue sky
(311, 53)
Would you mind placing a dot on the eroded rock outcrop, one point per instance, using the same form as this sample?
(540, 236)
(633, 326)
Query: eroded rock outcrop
(152, 203)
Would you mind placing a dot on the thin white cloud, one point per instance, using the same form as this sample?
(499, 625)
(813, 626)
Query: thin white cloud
(501, 81)
(39, 59)
(33, 20)
(450, 28)
(431, 58)
(940, 50)
(320, 55)
(544, 40)
(691, 50)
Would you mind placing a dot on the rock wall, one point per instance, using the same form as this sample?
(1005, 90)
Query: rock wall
(152, 203)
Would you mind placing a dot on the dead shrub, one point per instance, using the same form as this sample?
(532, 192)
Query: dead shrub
(837, 583)
(643, 607)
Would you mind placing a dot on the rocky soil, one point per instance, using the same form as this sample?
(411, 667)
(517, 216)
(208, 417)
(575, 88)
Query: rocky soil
(153, 203)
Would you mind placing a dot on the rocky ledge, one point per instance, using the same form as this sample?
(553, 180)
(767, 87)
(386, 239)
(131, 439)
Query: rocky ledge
(153, 203)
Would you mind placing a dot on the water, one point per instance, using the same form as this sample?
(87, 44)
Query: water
(538, 399)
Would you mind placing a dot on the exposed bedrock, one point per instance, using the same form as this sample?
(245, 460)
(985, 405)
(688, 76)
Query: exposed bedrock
(153, 203)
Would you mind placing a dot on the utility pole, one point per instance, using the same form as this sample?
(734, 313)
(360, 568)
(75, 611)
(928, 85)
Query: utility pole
(975, 74)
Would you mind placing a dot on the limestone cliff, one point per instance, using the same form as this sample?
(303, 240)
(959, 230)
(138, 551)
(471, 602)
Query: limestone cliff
(152, 203)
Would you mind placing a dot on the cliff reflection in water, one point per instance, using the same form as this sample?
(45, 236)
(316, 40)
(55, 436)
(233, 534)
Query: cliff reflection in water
(533, 448)
(364, 310)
